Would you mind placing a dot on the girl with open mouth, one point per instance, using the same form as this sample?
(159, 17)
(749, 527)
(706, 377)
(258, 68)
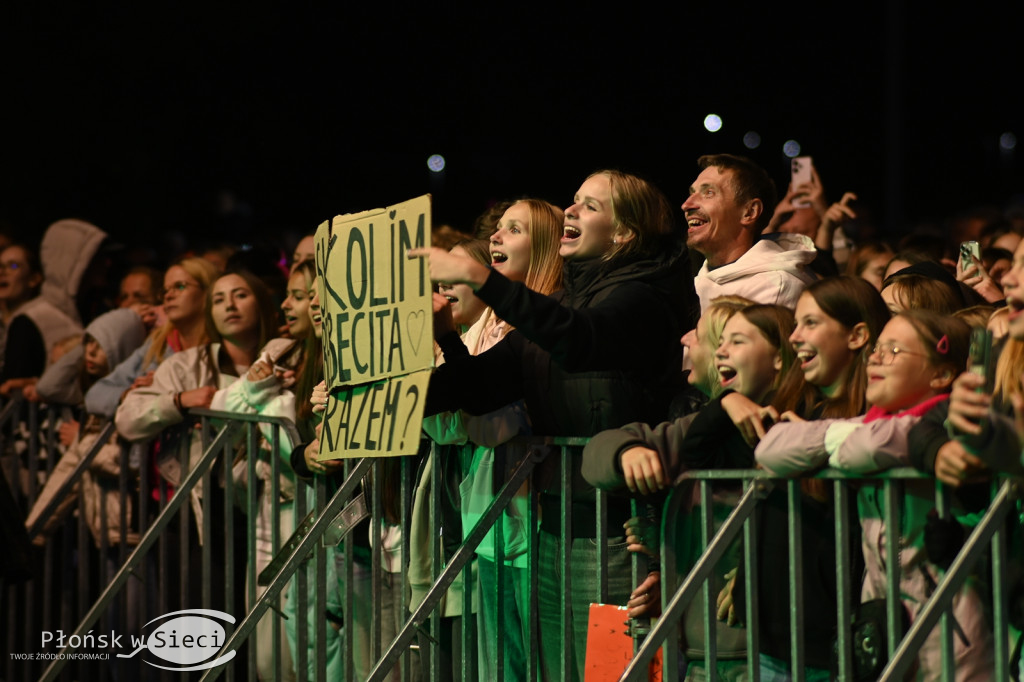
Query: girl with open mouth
(523, 249)
(750, 356)
(838, 321)
(600, 353)
(910, 372)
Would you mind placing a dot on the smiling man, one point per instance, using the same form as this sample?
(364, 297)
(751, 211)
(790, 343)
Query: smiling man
(725, 214)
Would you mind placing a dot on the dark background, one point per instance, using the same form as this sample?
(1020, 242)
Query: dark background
(168, 126)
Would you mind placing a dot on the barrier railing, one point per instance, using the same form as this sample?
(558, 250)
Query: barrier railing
(303, 565)
(901, 648)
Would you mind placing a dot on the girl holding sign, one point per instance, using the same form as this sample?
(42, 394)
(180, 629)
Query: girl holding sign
(600, 353)
(524, 248)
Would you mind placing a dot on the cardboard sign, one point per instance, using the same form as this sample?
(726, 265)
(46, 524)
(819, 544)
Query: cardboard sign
(378, 419)
(377, 329)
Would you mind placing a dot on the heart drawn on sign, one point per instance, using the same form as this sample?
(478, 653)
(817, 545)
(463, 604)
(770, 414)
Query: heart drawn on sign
(414, 325)
(393, 214)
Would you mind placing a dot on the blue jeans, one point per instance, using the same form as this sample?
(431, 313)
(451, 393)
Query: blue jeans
(582, 592)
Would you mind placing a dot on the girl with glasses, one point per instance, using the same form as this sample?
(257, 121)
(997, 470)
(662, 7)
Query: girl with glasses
(838, 320)
(910, 372)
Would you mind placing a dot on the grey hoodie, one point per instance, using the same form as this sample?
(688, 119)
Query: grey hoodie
(118, 332)
(66, 251)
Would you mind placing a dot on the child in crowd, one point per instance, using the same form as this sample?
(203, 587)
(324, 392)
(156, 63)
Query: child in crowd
(910, 371)
(838, 321)
(107, 340)
(465, 307)
(750, 360)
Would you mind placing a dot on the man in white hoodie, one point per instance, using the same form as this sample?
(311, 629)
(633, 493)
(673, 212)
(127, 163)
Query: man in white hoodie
(730, 203)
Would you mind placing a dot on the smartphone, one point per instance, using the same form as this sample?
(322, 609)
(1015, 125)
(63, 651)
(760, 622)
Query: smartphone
(800, 174)
(981, 357)
(968, 251)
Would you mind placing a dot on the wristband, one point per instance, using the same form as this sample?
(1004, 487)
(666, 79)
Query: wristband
(177, 402)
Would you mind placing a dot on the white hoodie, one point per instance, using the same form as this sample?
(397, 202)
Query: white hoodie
(774, 270)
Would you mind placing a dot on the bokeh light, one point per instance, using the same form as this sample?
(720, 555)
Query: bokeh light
(752, 140)
(713, 123)
(435, 163)
(791, 148)
(1007, 141)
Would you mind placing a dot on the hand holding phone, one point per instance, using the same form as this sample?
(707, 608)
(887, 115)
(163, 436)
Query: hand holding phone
(980, 355)
(801, 174)
(970, 252)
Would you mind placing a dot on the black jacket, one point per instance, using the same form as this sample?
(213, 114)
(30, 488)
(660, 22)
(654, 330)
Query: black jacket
(600, 353)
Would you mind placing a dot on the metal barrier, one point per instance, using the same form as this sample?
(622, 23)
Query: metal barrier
(902, 648)
(46, 603)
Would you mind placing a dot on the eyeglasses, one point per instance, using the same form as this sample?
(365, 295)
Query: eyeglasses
(887, 352)
(179, 287)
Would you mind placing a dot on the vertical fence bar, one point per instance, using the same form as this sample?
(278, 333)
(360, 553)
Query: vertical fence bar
(319, 557)
(347, 596)
(532, 644)
(376, 568)
(407, 473)
(310, 500)
(796, 580)
(601, 527)
(498, 552)
(750, 564)
(669, 524)
(844, 583)
(432, 654)
(707, 531)
(252, 511)
(207, 539)
(1000, 598)
(276, 511)
(184, 528)
(565, 550)
(946, 622)
(893, 570)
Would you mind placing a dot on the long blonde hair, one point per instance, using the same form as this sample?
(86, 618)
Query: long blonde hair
(203, 272)
(640, 209)
(1008, 370)
(720, 310)
(547, 221)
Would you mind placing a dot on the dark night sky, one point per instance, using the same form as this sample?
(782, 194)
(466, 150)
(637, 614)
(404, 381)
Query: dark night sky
(139, 119)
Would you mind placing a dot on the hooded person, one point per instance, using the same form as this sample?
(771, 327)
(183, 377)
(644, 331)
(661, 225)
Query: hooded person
(38, 324)
(774, 270)
(118, 333)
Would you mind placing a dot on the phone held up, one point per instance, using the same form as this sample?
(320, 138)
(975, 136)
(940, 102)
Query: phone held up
(981, 357)
(969, 251)
(800, 174)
